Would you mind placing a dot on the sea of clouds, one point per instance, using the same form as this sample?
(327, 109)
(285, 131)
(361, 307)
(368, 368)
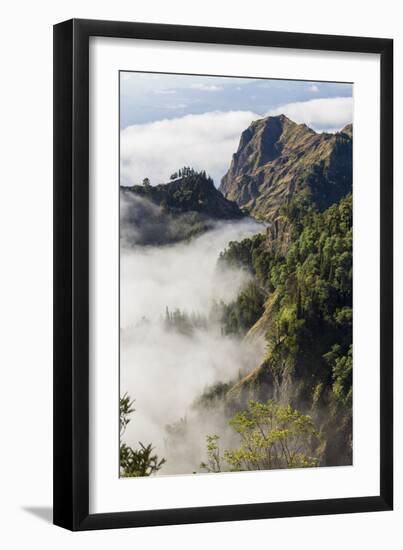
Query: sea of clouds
(207, 141)
(165, 371)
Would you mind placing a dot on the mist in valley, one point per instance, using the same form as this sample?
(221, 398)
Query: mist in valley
(166, 370)
(236, 352)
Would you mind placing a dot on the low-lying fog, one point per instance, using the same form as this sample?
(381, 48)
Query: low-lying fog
(164, 370)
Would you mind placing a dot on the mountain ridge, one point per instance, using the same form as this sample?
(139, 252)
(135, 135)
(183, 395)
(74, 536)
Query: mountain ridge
(172, 212)
(278, 161)
(194, 192)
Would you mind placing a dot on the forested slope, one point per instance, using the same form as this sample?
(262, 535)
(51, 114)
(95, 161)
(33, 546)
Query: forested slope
(301, 303)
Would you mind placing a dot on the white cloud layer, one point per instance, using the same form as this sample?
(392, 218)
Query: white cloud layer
(165, 92)
(319, 114)
(206, 87)
(205, 142)
(165, 371)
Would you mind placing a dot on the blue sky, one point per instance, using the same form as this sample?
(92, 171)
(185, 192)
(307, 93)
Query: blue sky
(170, 120)
(148, 97)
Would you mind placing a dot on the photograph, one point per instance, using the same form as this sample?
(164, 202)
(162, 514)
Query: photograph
(236, 274)
(200, 284)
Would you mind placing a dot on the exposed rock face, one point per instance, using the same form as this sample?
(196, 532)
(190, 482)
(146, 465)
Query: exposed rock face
(278, 160)
(278, 236)
(348, 130)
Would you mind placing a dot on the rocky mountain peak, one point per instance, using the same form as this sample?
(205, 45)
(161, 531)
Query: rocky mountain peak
(262, 142)
(278, 159)
(348, 130)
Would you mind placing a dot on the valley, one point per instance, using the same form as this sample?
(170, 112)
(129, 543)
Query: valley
(236, 309)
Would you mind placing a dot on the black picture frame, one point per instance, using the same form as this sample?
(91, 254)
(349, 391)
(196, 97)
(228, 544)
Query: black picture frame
(71, 274)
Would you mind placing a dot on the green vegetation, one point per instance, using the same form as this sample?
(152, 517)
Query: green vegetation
(184, 208)
(191, 192)
(187, 171)
(241, 314)
(212, 395)
(214, 462)
(183, 323)
(308, 296)
(294, 409)
(272, 436)
(251, 255)
(140, 462)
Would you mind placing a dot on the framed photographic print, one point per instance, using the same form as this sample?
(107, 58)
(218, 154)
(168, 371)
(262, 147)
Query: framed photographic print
(223, 323)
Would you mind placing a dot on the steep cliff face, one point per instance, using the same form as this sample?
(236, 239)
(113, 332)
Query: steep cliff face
(278, 160)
